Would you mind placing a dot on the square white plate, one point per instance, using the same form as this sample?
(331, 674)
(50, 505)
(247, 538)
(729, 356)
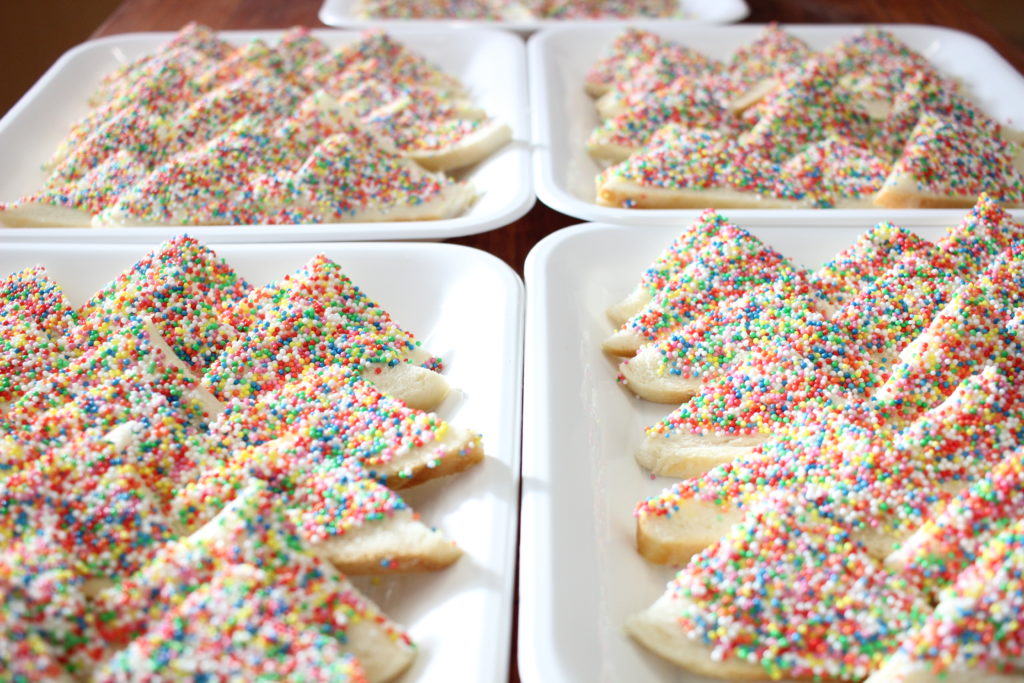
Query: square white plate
(345, 13)
(564, 115)
(580, 576)
(492, 65)
(467, 307)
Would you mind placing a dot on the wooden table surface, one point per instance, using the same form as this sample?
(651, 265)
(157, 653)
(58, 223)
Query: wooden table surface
(513, 242)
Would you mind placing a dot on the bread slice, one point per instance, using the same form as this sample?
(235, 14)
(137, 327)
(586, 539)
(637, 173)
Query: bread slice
(807, 108)
(640, 115)
(646, 376)
(126, 389)
(731, 263)
(947, 165)
(296, 333)
(298, 48)
(772, 597)
(669, 64)
(254, 530)
(671, 369)
(756, 69)
(859, 454)
(683, 168)
(400, 368)
(471, 148)
(973, 634)
(673, 536)
(390, 60)
(233, 628)
(206, 183)
(340, 512)
(870, 256)
(672, 260)
(657, 628)
(436, 132)
(959, 528)
(39, 213)
(42, 597)
(630, 51)
(80, 495)
(834, 173)
(181, 286)
(328, 188)
(400, 543)
(927, 91)
(193, 37)
(35, 316)
(875, 65)
(682, 453)
(900, 668)
(350, 418)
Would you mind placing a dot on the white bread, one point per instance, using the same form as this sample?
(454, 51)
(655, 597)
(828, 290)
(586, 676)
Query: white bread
(418, 387)
(946, 165)
(632, 304)
(684, 454)
(692, 526)
(657, 629)
(397, 543)
(646, 376)
(901, 669)
(40, 214)
(471, 149)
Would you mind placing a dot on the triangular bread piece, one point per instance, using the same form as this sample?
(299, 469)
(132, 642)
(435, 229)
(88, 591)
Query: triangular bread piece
(254, 530)
(732, 262)
(340, 512)
(974, 633)
(773, 598)
(402, 368)
(351, 418)
(755, 69)
(945, 164)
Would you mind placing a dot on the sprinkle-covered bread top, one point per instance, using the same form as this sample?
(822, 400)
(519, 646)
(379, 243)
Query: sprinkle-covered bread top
(975, 628)
(791, 591)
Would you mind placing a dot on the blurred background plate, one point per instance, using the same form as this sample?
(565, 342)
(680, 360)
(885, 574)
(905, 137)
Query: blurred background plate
(492, 64)
(564, 115)
(345, 13)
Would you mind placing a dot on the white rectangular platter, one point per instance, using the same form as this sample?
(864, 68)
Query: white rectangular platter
(466, 307)
(346, 13)
(580, 576)
(492, 65)
(564, 115)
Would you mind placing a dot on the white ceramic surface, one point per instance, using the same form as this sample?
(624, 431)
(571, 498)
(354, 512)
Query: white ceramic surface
(564, 115)
(345, 13)
(467, 307)
(492, 64)
(580, 576)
